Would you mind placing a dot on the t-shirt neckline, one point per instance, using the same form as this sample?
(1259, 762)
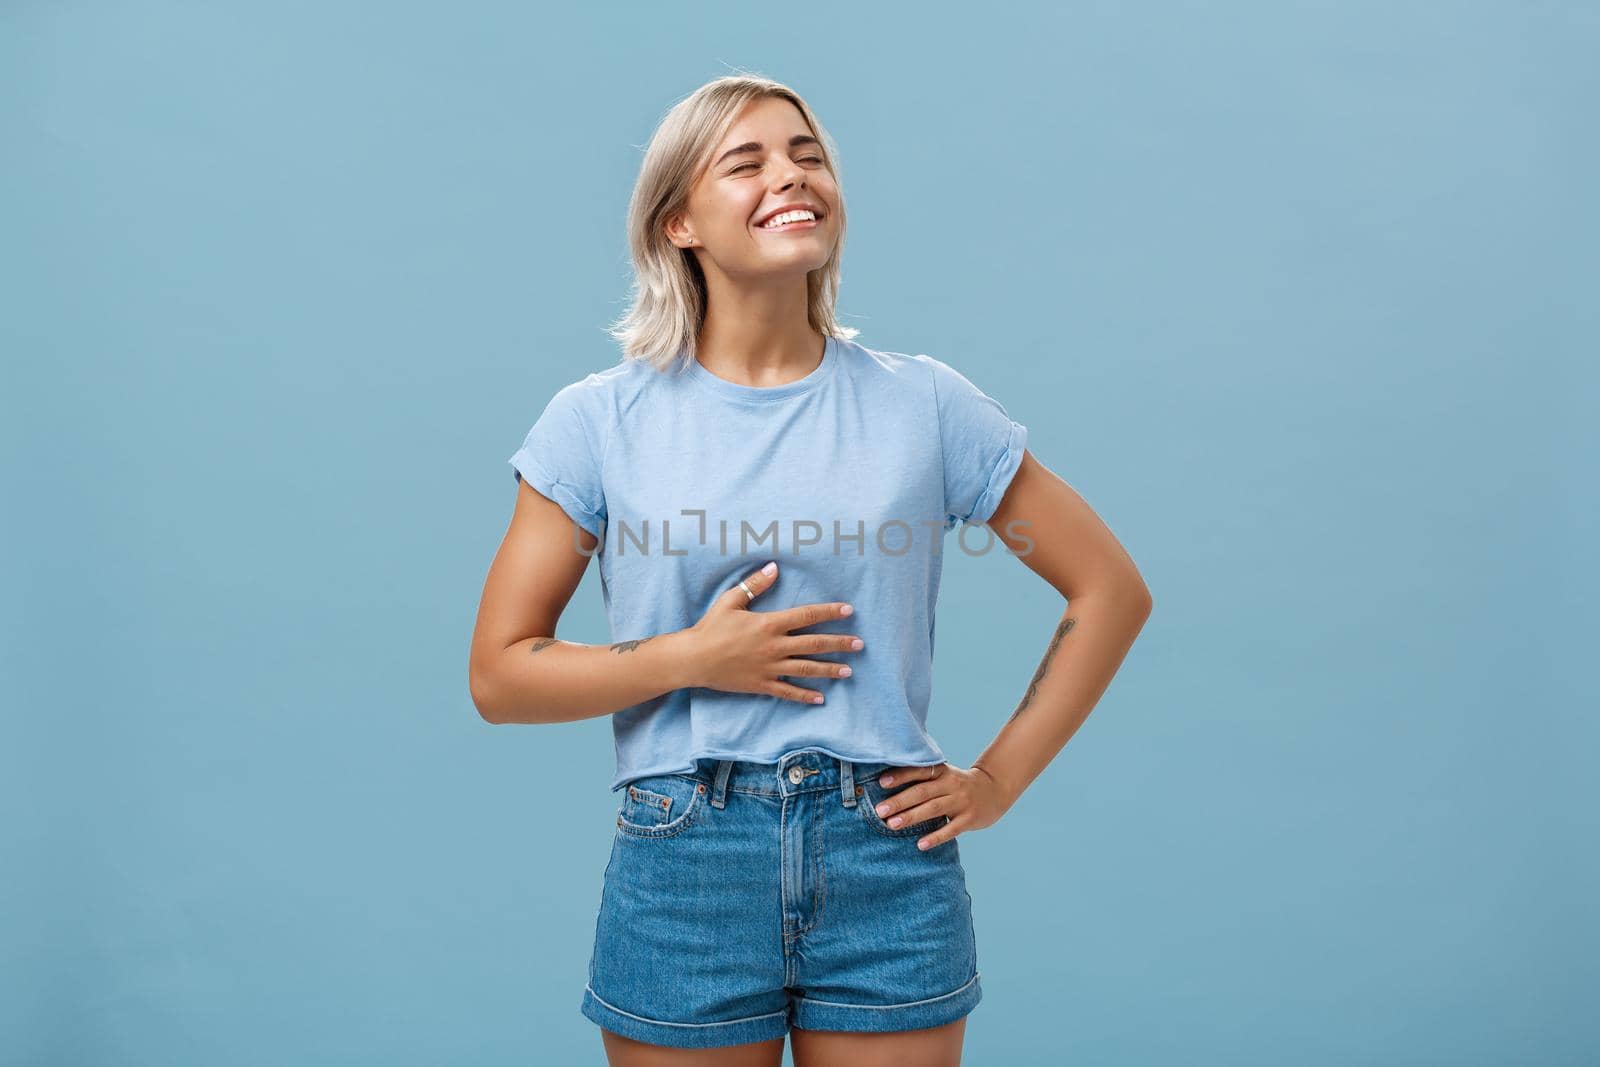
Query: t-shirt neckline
(761, 394)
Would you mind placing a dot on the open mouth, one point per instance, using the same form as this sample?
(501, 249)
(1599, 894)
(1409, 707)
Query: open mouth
(791, 220)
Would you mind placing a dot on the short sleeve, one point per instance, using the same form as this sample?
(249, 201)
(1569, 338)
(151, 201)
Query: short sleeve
(981, 443)
(561, 455)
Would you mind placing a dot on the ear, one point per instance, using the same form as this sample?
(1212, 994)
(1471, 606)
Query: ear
(679, 233)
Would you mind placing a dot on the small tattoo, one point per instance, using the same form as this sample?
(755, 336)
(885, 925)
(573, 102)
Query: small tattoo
(629, 646)
(1044, 665)
(541, 644)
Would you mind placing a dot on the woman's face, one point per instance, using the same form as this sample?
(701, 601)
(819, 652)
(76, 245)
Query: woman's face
(768, 159)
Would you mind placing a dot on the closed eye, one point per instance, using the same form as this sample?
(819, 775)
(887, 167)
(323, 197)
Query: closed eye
(803, 159)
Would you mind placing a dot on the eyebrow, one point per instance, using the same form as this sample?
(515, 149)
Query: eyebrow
(755, 146)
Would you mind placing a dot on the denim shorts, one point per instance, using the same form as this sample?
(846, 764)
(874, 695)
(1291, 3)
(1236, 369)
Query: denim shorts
(745, 898)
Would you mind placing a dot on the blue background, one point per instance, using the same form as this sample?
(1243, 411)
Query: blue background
(1299, 296)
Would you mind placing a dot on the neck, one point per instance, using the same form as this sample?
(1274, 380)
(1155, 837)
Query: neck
(760, 338)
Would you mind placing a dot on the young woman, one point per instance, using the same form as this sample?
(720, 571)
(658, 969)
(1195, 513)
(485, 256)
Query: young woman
(768, 500)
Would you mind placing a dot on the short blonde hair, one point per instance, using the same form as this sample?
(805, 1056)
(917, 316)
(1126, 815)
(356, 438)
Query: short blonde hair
(669, 290)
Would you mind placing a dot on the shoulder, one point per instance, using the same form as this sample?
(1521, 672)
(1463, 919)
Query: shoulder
(888, 368)
(599, 398)
(918, 371)
(605, 384)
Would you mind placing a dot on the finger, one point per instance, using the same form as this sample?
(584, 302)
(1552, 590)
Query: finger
(910, 774)
(794, 692)
(759, 581)
(903, 810)
(947, 832)
(813, 668)
(815, 644)
(810, 615)
(956, 825)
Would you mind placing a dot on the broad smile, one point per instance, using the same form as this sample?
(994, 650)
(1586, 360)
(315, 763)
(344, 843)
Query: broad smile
(798, 224)
(795, 215)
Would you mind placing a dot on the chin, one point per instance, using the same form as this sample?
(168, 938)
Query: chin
(797, 266)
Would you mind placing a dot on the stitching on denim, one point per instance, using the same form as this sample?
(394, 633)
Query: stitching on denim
(666, 829)
(817, 852)
(890, 1007)
(664, 1022)
(784, 937)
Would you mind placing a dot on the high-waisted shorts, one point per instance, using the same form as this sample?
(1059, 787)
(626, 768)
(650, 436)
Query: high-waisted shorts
(746, 898)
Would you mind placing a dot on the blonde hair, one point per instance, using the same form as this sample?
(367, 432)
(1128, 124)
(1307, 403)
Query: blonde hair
(669, 290)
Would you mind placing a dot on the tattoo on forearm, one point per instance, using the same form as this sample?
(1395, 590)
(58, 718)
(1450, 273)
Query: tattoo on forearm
(629, 646)
(1044, 664)
(541, 644)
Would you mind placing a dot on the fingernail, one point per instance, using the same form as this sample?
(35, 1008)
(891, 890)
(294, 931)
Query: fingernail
(769, 568)
(883, 809)
(887, 779)
(846, 610)
(856, 643)
(817, 699)
(845, 672)
(895, 821)
(922, 845)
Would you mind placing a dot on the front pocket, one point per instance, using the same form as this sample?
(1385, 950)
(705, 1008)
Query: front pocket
(659, 805)
(869, 794)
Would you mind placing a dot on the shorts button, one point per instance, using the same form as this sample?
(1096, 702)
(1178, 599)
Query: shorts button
(795, 774)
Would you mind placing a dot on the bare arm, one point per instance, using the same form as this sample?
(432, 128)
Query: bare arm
(518, 671)
(1066, 543)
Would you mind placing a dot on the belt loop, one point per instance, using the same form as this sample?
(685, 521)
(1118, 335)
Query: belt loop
(847, 782)
(719, 791)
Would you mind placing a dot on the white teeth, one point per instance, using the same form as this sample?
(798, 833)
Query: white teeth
(786, 217)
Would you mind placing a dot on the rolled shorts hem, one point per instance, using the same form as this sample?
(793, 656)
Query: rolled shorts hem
(810, 1014)
(684, 1035)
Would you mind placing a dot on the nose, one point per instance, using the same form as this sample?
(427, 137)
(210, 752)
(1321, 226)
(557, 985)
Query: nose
(795, 174)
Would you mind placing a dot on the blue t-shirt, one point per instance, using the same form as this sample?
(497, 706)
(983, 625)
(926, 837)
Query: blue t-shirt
(850, 478)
